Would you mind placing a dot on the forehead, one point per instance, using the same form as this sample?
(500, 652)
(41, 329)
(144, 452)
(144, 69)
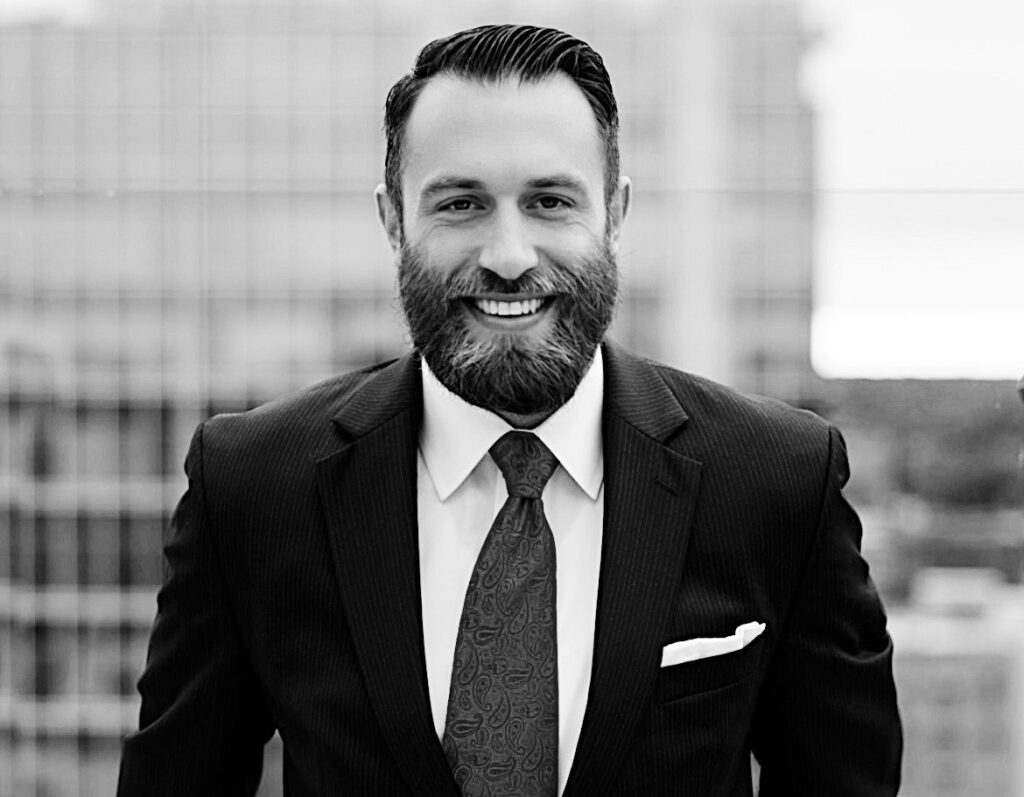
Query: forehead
(494, 131)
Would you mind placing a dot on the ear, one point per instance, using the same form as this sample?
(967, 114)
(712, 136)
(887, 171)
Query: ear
(618, 209)
(388, 218)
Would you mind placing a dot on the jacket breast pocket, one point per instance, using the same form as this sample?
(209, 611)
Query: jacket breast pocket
(679, 681)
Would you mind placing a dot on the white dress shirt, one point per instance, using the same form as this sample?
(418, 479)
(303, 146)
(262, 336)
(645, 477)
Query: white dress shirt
(460, 491)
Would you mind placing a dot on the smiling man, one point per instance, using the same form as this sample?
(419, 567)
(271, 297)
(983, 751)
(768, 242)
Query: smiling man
(506, 236)
(518, 560)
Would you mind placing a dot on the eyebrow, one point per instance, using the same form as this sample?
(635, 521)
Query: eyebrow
(559, 181)
(449, 183)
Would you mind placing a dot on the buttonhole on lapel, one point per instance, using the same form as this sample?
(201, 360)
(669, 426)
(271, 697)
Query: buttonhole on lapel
(665, 485)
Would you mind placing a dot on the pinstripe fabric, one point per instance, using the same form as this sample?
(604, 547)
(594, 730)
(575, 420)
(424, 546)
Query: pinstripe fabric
(292, 602)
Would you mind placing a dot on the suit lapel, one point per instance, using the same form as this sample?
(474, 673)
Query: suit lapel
(650, 493)
(368, 492)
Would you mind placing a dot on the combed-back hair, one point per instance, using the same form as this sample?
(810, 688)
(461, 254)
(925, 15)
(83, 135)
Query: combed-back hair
(498, 52)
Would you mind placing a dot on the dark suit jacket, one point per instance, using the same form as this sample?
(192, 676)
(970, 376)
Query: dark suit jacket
(292, 602)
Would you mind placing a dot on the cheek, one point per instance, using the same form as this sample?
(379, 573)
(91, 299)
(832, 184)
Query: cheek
(443, 252)
(571, 243)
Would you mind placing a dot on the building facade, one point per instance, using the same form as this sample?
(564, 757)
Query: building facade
(959, 664)
(185, 194)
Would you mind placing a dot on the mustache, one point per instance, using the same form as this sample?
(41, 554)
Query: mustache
(483, 281)
(470, 279)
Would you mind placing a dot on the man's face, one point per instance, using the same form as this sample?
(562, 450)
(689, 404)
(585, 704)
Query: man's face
(506, 260)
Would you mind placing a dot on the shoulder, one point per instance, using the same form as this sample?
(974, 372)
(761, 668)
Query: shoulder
(714, 403)
(727, 425)
(300, 421)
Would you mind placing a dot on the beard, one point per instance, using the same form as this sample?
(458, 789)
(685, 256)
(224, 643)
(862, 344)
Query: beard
(510, 373)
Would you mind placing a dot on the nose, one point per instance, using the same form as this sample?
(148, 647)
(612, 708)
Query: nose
(508, 250)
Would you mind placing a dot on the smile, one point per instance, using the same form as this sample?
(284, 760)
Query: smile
(524, 307)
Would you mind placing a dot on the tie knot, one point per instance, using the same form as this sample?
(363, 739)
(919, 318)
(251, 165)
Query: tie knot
(525, 462)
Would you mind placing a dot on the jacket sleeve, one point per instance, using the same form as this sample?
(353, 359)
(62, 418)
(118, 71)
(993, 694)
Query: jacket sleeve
(827, 720)
(203, 724)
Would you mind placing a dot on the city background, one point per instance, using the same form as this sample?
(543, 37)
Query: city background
(187, 227)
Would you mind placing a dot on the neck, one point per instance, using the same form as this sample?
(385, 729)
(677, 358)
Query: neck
(521, 421)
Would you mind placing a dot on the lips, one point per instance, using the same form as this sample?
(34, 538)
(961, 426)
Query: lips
(501, 308)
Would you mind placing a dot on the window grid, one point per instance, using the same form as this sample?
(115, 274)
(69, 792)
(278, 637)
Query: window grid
(186, 188)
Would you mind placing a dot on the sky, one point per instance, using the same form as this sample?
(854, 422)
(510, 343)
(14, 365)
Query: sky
(66, 11)
(920, 246)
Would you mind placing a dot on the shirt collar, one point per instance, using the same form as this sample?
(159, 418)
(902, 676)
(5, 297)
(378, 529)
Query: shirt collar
(456, 435)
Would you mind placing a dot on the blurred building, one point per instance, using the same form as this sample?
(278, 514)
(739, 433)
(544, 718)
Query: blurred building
(959, 667)
(936, 475)
(185, 194)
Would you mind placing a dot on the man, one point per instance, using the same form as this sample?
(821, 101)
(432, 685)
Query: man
(651, 580)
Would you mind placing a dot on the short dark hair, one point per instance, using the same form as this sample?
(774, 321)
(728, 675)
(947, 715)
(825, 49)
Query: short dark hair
(496, 52)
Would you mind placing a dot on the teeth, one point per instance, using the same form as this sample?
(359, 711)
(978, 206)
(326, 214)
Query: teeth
(524, 307)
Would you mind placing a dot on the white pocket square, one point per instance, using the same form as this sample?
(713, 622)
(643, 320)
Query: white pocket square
(693, 649)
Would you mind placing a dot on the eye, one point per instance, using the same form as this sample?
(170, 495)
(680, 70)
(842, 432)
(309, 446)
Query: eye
(459, 205)
(553, 203)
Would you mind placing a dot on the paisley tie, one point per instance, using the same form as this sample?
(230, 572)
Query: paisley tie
(501, 729)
